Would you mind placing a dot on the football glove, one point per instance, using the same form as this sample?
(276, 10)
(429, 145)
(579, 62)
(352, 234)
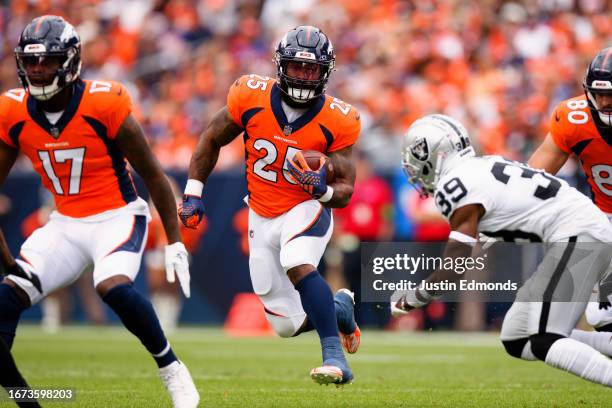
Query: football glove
(400, 307)
(403, 302)
(312, 181)
(191, 211)
(177, 262)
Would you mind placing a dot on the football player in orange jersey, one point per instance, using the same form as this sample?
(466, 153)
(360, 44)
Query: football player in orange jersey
(290, 221)
(583, 126)
(78, 135)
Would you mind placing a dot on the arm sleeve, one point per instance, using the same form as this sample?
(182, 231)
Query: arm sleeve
(349, 131)
(560, 129)
(235, 99)
(119, 106)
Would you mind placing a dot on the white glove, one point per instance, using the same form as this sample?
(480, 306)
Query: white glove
(177, 262)
(398, 297)
(403, 301)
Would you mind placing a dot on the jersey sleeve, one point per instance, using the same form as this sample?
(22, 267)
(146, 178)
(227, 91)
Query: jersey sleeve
(4, 125)
(460, 189)
(560, 129)
(236, 98)
(112, 103)
(9, 116)
(348, 133)
(120, 109)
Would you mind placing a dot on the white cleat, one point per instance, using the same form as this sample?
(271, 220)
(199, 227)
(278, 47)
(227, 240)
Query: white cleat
(180, 386)
(326, 374)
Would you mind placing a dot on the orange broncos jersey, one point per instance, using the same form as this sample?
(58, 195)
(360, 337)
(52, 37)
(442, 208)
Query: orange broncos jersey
(77, 158)
(254, 103)
(574, 131)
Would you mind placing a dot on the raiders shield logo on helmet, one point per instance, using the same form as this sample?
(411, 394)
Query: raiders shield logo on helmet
(420, 150)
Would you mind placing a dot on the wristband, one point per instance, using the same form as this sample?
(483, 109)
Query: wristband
(463, 238)
(418, 298)
(328, 195)
(194, 188)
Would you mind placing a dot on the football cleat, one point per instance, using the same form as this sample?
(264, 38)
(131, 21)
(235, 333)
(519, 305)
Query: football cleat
(335, 369)
(180, 386)
(326, 374)
(351, 341)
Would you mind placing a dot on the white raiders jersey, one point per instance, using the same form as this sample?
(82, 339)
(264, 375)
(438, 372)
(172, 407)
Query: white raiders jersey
(521, 203)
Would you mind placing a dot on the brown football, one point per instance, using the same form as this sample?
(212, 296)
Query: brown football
(313, 158)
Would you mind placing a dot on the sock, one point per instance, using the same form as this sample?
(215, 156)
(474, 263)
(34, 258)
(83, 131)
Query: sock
(600, 341)
(138, 316)
(318, 303)
(344, 317)
(345, 313)
(10, 375)
(581, 360)
(10, 311)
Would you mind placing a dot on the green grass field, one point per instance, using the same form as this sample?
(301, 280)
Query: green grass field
(109, 368)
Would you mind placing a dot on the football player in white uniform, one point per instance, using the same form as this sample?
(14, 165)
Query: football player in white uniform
(510, 200)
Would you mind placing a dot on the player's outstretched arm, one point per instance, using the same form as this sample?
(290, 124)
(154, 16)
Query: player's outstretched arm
(8, 155)
(548, 156)
(134, 146)
(220, 131)
(461, 243)
(344, 177)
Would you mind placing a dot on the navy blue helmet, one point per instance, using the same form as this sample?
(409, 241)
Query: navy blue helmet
(306, 44)
(598, 80)
(49, 37)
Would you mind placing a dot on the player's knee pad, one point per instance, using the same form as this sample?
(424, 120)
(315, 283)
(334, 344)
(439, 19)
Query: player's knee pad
(515, 347)
(519, 348)
(262, 278)
(541, 343)
(285, 326)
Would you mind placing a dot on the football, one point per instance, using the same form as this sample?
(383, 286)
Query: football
(313, 158)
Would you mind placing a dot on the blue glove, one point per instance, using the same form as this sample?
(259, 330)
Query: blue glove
(312, 181)
(191, 211)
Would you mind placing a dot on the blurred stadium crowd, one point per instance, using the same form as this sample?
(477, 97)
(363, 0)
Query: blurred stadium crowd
(498, 66)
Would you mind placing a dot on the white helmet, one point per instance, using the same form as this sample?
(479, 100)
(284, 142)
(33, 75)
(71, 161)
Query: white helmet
(431, 146)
